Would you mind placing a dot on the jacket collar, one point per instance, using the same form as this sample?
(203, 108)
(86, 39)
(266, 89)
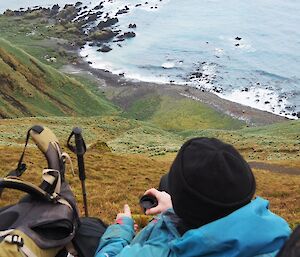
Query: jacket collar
(249, 231)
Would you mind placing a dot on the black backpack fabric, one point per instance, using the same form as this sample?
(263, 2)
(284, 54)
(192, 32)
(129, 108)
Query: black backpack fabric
(88, 236)
(48, 224)
(292, 246)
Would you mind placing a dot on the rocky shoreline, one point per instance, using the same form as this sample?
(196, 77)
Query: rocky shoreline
(81, 25)
(78, 26)
(121, 91)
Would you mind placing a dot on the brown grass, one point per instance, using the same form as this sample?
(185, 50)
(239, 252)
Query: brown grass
(113, 180)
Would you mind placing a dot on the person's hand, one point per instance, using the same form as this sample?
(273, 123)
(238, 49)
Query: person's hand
(163, 199)
(136, 227)
(126, 213)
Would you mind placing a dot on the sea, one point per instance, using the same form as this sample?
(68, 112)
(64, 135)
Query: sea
(243, 51)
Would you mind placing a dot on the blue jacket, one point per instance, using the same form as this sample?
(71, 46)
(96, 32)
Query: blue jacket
(250, 231)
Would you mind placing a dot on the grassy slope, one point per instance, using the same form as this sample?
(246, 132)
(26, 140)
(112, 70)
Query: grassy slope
(143, 148)
(133, 136)
(179, 114)
(143, 151)
(33, 36)
(272, 142)
(31, 88)
(134, 173)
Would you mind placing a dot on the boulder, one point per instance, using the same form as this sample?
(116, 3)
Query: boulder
(129, 34)
(67, 6)
(109, 22)
(68, 13)
(132, 26)
(102, 35)
(104, 49)
(93, 16)
(9, 12)
(122, 11)
(196, 75)
(99, 6)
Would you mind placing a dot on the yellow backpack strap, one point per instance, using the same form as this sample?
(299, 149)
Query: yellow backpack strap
(52, 177)
(18, 244)
(33, 131)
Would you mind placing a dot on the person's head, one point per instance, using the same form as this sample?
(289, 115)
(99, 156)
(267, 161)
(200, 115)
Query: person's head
(209, 180)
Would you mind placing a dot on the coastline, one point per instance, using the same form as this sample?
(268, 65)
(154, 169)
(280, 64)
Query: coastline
(120, 91)
(117, 88)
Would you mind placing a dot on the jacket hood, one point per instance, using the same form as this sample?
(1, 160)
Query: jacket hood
(249, 231)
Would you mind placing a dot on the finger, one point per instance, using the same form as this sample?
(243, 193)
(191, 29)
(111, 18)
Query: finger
(127, 210)
(119, 216)
(153, 211)
(136, 227)
(152, 191)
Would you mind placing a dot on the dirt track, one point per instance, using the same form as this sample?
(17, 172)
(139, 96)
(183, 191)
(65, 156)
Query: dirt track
(274, 168)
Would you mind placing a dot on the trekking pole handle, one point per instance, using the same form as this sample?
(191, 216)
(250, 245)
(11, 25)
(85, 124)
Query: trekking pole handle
(80, 145)
(80, 151)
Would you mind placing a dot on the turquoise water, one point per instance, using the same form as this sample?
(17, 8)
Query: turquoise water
(195, 43)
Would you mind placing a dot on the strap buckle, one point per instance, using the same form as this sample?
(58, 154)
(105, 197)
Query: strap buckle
(14, 239)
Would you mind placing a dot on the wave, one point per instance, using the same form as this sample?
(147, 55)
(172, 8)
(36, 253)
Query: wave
(163, 66)
(262, 99)
(271, 75)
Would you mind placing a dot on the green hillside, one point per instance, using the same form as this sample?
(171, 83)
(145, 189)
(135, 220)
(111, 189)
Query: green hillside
(271, 142)
(31, 88)
(142, 153)
(126, 135)
(179, 113)
(143, 126)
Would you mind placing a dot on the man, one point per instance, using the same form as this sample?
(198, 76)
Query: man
(209, 212)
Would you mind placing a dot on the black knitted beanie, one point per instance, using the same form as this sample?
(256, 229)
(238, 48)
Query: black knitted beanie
(208, 180)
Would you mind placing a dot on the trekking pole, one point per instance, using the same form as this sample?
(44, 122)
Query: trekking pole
(79, 150)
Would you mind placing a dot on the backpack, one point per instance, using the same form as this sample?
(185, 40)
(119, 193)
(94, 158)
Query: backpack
(46, 219)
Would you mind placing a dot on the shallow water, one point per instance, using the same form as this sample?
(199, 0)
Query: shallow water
(244, 51)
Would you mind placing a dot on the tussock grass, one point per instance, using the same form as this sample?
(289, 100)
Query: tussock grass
(280, 141)
(35, 37)
(114, 179)
(283, 192)
(132, 136)
(144, 138)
